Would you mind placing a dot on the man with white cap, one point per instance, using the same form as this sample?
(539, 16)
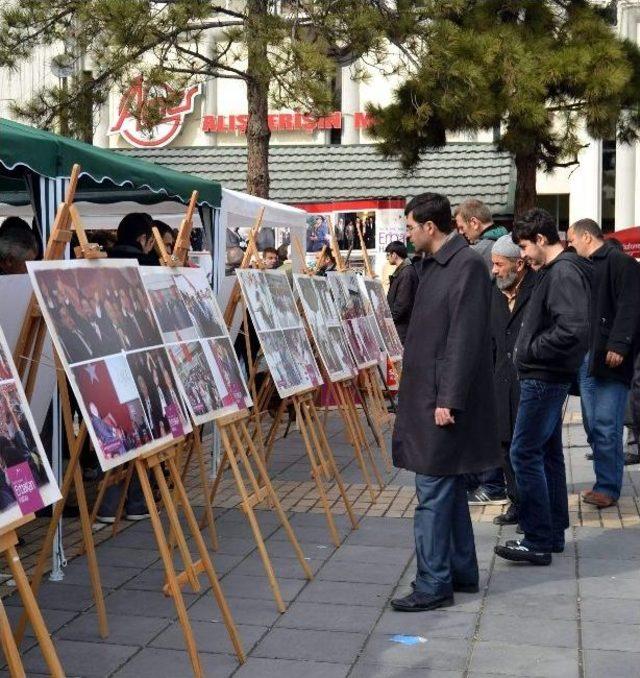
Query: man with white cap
(513, 283)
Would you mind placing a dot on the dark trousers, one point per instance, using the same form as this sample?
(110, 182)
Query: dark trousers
(445, 548)
(538, 462)
(134, 504)
(509, 474)
(491, 481)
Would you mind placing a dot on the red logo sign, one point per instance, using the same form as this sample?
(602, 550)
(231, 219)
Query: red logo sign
(282, 122)
(135, 98)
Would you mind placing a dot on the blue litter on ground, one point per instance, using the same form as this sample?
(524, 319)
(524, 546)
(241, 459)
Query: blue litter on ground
(408, 640)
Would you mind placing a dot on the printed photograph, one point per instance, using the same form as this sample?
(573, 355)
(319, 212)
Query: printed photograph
(5, 366)
(200, 303)
(233, 390)
(300, 350)
(341, 348)
(284, 303)
(383, 318)
(346, 226)
(113, 410)
(159, 393)
(257, 296)
(287, 375)
(327, 305)
(347, 294)
(362, 342)
(94, 309)
(196, 379)
(168, 304)
(26, 481)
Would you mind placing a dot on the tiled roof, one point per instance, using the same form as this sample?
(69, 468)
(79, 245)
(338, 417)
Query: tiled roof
(314, 173)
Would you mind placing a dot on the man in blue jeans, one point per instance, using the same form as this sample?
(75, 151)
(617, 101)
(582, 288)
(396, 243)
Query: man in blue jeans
(607, 369)
(550, 348)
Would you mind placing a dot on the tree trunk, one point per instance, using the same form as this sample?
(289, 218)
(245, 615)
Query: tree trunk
(258, 133)
(526, 169)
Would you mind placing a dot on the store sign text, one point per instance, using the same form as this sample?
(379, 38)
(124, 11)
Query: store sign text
(283, 122)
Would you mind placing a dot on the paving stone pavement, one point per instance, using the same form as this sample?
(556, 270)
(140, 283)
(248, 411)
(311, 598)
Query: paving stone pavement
(579, 617)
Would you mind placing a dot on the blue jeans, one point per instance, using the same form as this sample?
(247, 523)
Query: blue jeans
(445, 548)
(492, 481)
(603, 408)
(538, 462)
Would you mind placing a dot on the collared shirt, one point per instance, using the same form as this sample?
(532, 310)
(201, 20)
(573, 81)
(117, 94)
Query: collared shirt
(512, 294)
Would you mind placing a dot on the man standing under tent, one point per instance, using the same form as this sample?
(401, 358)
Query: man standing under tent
(446, 422)
(402, 286)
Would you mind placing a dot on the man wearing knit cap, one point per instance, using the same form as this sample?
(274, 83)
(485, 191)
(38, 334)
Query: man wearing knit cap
(513, 283)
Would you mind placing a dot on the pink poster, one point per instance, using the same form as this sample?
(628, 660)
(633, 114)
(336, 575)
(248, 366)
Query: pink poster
(24, 488)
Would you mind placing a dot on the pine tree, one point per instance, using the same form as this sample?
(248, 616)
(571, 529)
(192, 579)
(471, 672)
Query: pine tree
(286, 51)
(537, 71)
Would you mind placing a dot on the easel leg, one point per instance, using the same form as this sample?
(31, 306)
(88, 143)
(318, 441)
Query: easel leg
(122, 501)
(208, 511)
(248, 510)
(264, 476)
(271, 436)
(316, 472)
(315, 424)
(33, 612)
(167, 561)
(208, 565)
(16, 670)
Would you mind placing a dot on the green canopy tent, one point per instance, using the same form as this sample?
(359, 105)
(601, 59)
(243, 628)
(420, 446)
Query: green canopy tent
(35, 167)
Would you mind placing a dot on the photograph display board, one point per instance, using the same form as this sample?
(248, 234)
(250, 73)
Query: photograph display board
(357, 318)
(26, 481)
(99, 317)
(280, 329)
(197, 341)
(384, 320)
(320, 311)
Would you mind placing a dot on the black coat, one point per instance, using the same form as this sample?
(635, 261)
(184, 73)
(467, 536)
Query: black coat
(402, 291)
(554, 334)
(505, 325)
(615, 312)
(447, 363)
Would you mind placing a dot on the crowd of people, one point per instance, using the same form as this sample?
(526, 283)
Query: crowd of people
(498, 329)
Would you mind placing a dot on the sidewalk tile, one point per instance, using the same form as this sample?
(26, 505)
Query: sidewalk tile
(319, 616)
(524, 660)
(210, 637)
(262, 667)
(437, 653)
(340, 647)
(156, 663)
(123, 629)
(612, 664)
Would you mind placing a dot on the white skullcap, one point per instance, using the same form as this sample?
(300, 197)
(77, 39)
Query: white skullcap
(505, 247)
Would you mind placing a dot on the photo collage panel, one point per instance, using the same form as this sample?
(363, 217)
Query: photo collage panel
(26, 480)
(384, 320)
(197, 341)
(280, 329)
(357, 319)
(325, 326)
(102, 326)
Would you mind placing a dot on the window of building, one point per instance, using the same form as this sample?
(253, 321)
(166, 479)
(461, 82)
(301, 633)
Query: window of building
(558, 205)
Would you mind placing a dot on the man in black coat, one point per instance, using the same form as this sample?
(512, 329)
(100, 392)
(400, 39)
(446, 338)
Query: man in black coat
(550, 348)
(403, 284)
(513, 283)
(446, 422)
(607, 369)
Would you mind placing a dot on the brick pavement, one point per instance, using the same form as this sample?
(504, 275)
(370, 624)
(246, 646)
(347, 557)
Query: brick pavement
(579, 617)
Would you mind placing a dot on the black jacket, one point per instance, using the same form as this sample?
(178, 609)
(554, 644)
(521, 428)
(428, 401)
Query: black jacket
(401, 295)
(505, 325)
(447, 363)
(554, 334)
(615, 312)
(126, 251)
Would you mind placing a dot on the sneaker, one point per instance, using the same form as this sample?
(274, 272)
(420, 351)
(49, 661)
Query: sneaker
(554, 549)
(135, 517)
(631, 458)
(517, 552)
(107, 520)
(481, 497)
(509, 517)
(421, 602)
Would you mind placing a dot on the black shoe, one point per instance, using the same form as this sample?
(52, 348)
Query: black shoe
(554, 549)
(519, 529)
(457, 588)
(631, 458)
(420, 602)
(481, 497)
(509, 517)
(518, 553)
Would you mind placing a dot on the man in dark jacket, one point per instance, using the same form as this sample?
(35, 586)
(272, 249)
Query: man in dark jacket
(446, 422)
(513, 283)
(135, 239)
(402, 286)
(550, 348)
(607, 369)
(475, 222)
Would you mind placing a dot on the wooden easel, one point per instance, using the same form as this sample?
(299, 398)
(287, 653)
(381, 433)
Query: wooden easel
(8, 541)
(27, 357)
(151, 462)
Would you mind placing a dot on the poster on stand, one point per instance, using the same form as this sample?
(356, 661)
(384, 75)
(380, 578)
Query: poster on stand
(384, 320)
(358, 322)
(197, 341)
(26, 481)
(280, 329)
(319, 310)
(100, 320)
